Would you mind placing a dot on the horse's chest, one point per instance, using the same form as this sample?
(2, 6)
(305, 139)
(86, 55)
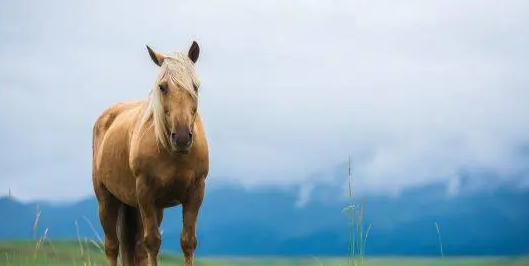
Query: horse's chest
(174, 187)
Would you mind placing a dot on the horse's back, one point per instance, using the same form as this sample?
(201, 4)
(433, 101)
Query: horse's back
(107, 118)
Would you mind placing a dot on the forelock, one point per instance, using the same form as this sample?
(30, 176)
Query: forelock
(178, 68)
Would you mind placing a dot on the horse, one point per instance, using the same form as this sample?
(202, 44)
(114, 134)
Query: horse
(149, 155)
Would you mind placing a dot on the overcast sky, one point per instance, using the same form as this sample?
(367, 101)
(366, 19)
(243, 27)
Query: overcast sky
(415, 90)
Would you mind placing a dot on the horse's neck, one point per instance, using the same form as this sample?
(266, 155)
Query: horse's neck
(139, 124)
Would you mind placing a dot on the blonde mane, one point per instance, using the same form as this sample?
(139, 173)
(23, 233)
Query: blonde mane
(180, 70)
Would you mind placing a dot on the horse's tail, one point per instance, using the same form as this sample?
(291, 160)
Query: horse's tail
(129, 227)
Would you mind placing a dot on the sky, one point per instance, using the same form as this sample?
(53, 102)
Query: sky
(415, 91)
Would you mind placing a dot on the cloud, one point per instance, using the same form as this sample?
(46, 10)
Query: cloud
(414, 90)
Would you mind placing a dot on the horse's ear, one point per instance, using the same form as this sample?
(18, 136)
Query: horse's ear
(194, 51)
(156, 57)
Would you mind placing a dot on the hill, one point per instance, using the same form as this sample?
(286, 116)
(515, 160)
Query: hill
(269, 221)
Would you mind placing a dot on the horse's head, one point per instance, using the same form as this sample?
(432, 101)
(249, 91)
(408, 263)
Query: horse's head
(174, 99)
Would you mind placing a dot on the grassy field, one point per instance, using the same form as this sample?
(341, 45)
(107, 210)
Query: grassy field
(89, 253)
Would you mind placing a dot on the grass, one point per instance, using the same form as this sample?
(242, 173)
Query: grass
(355, 218)
(88, 252)
(62, 253)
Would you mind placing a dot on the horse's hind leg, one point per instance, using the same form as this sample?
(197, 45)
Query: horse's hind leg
(108, 216)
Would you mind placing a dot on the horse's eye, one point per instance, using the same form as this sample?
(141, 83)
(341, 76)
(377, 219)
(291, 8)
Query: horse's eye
(163, 88)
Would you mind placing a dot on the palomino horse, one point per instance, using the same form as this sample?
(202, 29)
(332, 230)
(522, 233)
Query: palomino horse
(150, 155)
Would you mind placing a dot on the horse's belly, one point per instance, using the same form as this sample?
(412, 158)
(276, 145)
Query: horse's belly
(168, 203)
(123, 187)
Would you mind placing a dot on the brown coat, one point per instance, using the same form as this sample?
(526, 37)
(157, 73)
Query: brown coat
(149, 155)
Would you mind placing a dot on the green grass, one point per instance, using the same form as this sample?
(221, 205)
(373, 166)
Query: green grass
(59, 253)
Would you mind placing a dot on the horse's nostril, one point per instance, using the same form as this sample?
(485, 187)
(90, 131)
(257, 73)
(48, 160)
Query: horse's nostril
(173, 136)
(190, 136)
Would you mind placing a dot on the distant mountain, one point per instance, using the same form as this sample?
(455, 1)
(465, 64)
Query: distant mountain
(267, 221)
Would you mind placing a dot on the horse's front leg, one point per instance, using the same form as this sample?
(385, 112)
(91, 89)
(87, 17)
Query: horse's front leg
(151, 219)
(190, 209)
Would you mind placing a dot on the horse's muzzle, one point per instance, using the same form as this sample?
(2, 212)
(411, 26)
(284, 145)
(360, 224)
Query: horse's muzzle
(182, 141)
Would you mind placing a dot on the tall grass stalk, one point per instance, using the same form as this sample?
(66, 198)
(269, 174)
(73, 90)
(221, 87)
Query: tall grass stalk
(81, 249)
(88, 261)
(39, 243)
(355, 221)
(36, 222)
(93, 230)
(84, 250)
(439, 238)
